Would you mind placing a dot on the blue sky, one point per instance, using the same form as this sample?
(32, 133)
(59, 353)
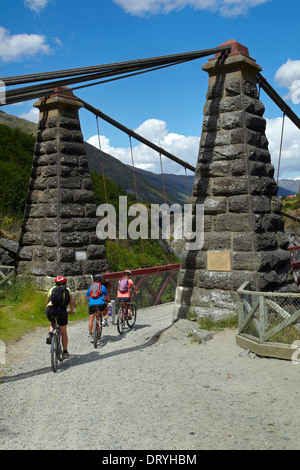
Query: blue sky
(165, 106)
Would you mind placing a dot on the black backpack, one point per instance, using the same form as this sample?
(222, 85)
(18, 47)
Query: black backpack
(60, 296)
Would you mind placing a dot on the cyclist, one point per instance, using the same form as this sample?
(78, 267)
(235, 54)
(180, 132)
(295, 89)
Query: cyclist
(98, 297)
(57, 303)
(126, 296)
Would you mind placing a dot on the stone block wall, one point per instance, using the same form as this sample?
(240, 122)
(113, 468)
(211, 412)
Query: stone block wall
(59, 228)
(244, 238)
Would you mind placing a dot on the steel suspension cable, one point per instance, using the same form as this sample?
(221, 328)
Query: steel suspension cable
(137, 199)
(277, 99)
(165, 197)
(280, 147)
(136, 136)
(28, 93)
(148, 62)
(105, 192)
(187, 184)
(71, 81)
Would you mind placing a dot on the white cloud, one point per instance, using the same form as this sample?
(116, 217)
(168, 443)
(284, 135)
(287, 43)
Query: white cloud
(227, 8)
(288, 76)
(36, 5)
(290, 154)
(32, 115)
(184, 147)
(13, 47)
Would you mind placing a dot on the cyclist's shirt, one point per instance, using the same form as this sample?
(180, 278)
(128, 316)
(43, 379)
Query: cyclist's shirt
(125, 295)
(50, 292)
(100, 300)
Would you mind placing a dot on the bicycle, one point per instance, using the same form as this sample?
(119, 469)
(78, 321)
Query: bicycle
(56, 347)
(124, 315)
(97, 326)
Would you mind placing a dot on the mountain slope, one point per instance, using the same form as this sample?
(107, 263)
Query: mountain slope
(18, 123)
(148, 190)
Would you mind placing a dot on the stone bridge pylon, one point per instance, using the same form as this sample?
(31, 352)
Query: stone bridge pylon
(244, 238)
(59, 228)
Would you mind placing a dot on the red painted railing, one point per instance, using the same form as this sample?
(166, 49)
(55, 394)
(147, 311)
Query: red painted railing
(141, 279)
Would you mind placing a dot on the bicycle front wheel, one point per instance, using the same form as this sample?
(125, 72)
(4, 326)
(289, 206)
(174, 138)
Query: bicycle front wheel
(97, 332)
(121, 321)
(54, 352)
(131, 317)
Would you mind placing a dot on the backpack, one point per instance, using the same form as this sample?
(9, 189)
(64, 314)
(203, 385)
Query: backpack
(60, 296)
(123, 285)
(96, 292)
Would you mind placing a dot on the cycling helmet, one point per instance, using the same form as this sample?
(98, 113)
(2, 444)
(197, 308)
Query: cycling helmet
(127, 271)
(99, 277)
(60, 280)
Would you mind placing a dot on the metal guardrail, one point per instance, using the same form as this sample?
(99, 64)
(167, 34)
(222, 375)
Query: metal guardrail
(154, 283)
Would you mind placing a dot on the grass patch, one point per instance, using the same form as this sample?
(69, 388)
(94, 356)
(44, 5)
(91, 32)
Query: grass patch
(208, 324)
(22, 309)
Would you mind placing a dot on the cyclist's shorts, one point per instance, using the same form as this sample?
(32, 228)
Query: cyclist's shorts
(93, 308)
(60, 312)
(124, 299)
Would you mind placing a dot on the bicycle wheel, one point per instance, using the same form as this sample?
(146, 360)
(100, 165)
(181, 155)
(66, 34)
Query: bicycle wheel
(54, 352)
(120, 321)
(131, 318)
(97, 332)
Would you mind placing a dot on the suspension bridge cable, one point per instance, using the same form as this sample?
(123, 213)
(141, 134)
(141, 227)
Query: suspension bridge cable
(136, 136)
(280, 148)
(187, 184)
(137, 200)
(104, 187)
(28, 93)
(263, 83)
(165, 198)
(144, 63)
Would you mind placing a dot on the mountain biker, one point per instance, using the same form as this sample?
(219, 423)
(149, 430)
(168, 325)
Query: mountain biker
(126, 296)
(60, 311)
(99, 301)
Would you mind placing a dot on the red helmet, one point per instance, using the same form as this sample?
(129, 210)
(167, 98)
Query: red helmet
(61, 280)
(127, 271)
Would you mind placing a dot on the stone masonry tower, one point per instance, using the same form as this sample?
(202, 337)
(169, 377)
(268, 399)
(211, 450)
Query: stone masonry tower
(59, 228)
(244, 237)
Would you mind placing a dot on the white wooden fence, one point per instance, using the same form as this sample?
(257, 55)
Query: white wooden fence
(269, 322)
(6, 273)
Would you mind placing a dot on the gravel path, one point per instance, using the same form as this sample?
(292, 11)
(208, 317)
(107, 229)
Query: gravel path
(136, 393)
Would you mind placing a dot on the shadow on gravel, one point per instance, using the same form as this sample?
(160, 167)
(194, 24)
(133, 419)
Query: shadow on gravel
(81, 359)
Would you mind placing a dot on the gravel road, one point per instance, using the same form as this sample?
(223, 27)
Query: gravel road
(147, 391)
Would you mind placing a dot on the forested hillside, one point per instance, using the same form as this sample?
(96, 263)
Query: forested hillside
(16, 150)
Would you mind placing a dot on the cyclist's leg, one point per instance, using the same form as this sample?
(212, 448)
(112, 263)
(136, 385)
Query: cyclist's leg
(64, 337)
(91, 319)
(104, 313)
(49, 313)
(63, 323)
